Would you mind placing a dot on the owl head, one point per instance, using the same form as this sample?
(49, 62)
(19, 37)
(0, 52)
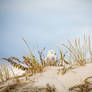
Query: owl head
(51, 56)
(51, 52)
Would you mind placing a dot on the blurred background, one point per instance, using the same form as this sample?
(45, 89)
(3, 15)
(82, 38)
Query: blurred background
(43, 23)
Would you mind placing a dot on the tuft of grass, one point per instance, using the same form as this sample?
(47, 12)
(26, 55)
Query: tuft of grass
(31, 61)
(50, 88)
(7, 74)
(64, 69)
(4, 73)
(42, 57)
(77, 52)
(13, 73)
(62, 58)
(86, 86)
(29, 64)
(1, 75)
(89, 48)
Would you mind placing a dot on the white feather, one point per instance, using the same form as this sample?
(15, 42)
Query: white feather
(51, 56)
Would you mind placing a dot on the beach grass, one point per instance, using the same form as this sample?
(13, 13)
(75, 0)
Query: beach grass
(86, 86)
(5, 73)
(1, 75)
(77, 51)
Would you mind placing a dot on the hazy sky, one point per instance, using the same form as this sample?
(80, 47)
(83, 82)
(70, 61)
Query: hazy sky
(43, 23)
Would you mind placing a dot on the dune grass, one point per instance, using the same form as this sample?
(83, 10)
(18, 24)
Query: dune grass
(63, 60)
(5, 73)
(90, 48)
(78, 50)
(86, 86)
(1, 75)
(15, 87)
(76, 54)
(42, 57)
(29, 64)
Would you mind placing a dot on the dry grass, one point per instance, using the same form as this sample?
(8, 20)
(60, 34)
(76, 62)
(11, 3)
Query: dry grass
(90, 48)
(16, 87)
(50, 88)
(1, 75)
(42, 57)
(78, 50)
(64, 69)
(77, 54)
(5, 73)
(13, 87)
(29, 64)
(62, 58)
(85, 87)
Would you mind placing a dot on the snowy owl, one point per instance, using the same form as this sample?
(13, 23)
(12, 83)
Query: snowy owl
(51, 57)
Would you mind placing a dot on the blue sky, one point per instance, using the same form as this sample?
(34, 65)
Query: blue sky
(43, 23)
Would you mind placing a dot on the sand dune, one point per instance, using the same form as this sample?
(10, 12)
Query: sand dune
(61, 82)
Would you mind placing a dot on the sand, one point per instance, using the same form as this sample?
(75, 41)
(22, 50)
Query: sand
(61, 82)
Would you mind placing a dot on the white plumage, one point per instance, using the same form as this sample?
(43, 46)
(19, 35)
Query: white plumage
(51, 56)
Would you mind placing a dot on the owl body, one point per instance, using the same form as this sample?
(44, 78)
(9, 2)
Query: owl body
(51, 57)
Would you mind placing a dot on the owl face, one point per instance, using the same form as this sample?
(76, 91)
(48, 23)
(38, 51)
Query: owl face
(51, 52)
